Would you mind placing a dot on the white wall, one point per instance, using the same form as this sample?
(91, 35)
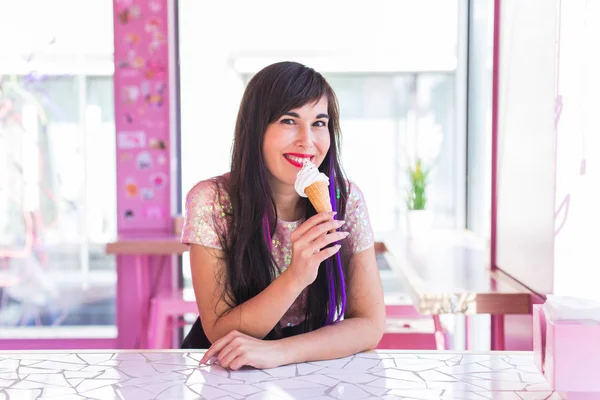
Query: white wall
(549, 179)
(525, 223)
(576, 268)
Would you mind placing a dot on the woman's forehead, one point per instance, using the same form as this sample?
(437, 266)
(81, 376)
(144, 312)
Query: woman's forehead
(312, 107)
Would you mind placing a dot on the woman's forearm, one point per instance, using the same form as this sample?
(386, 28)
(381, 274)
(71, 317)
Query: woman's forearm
(257, 316)
(343, 339)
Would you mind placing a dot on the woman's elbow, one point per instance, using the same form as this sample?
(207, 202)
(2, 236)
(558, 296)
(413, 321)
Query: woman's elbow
(378, 335)
(375, 334)
(212, 330)
(215, 331)
(212, 335)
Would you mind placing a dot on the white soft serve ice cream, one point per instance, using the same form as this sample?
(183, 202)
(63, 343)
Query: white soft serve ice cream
(308, 175)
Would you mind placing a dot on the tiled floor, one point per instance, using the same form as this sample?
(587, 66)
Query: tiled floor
(177, 375)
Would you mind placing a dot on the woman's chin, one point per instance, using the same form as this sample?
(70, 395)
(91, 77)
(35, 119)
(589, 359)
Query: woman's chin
(284, 181)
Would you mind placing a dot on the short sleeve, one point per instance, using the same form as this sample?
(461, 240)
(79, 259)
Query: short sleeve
(204, 213)
(357, 222)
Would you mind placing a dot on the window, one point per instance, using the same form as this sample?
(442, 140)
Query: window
(481, 35)
(394, 68)
(57, 172)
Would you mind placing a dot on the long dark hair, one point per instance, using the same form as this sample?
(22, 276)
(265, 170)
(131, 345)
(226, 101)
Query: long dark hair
(272, 92)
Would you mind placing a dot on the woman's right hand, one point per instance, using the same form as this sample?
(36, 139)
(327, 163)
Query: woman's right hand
(308, 246)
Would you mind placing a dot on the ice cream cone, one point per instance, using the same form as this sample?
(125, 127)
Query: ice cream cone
(318, 194)
(315, 185)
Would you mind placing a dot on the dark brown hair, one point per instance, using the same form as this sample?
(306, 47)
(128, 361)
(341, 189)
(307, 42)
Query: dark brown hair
(272, 92)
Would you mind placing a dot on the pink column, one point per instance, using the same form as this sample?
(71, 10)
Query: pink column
(497, 321)
(143, 147)
(495, 99)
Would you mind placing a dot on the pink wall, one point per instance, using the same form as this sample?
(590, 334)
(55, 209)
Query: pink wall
(141, 84)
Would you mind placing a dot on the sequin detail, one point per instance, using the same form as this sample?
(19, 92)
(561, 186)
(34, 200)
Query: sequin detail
(357, 223)
(203, 211)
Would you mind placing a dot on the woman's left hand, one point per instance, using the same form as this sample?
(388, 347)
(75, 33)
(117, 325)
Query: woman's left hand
(237, 349)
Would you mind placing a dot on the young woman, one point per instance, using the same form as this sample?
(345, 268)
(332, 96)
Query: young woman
(275, 282)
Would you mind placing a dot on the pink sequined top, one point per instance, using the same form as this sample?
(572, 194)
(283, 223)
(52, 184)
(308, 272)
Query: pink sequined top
(203, 210)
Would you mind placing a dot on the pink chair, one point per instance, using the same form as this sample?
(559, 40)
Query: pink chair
(165, 309)
(406, 328)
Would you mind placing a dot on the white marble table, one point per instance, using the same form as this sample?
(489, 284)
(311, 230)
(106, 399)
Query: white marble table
(177, 375)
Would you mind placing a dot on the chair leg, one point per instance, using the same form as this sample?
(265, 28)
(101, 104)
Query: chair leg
(156, 329)
(167, 340)
(440, 339)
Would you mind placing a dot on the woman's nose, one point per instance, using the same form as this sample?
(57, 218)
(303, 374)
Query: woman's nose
(305, 136)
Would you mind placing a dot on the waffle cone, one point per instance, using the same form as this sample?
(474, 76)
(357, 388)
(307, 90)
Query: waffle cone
(318, 194)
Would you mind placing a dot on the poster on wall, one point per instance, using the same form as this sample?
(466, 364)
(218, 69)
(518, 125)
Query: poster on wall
(141, 84)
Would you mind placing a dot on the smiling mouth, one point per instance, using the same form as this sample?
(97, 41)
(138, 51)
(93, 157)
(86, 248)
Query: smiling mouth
(297, 160)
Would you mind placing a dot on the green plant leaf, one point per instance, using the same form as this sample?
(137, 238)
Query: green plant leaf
(416, 196)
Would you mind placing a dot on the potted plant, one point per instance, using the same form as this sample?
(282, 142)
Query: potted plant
(419, 218)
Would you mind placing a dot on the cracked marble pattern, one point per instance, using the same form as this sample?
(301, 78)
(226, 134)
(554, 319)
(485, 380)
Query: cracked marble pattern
(177, 375)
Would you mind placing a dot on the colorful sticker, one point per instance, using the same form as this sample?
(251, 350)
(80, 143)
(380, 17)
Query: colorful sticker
(143, 160)
(154, 5)
(155, 69)
(130, 94)
(153, 93)
(132, 39)
(152, 25)
(128, 14)
(132, 60)
(155, 125)
(158, 144)
(154, 212)
(125, 157)
(131, 188)
(158, 38)
(158, 181)
(129, 215)
(147, 193)
(131, 140)
(156, 42)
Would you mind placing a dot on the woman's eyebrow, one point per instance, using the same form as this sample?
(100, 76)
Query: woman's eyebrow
(296, 115)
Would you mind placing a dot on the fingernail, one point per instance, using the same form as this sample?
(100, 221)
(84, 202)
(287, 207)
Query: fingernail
(346, 234)
(333, 213)
(340, 222)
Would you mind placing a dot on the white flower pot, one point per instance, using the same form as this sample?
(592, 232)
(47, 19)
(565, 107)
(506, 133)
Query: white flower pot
(419, 222)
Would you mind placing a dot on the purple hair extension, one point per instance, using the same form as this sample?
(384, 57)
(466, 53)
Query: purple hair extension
(329, 264)
(267, 230)
(338, 260)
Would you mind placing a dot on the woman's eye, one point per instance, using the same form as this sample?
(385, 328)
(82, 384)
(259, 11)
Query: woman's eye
(320, 124)
(288, 121)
